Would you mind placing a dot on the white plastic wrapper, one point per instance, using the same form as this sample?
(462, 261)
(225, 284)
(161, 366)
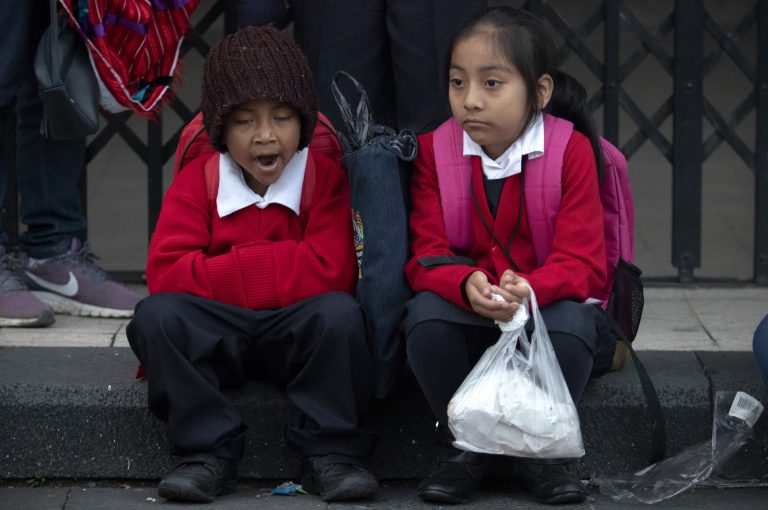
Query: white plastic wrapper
(735, 414)
(515, 400)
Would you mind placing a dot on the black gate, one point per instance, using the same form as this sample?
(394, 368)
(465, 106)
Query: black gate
(685, 60)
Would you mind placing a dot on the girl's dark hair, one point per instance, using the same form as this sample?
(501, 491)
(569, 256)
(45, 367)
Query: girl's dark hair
(520, 37)
(569, 102)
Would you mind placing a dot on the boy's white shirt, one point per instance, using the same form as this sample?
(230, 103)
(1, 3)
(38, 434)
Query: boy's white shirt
(530, 144)
(234, 194)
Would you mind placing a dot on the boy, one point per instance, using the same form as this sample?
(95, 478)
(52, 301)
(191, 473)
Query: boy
(256, 283)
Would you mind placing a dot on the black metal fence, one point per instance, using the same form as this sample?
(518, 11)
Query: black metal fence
(685, 60)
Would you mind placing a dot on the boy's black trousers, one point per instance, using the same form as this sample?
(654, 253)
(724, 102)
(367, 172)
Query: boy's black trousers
(193, 347)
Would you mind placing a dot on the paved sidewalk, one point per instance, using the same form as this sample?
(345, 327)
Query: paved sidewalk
(390, 497)
(674, 319)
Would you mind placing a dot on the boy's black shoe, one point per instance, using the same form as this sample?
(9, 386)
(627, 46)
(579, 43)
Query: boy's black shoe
(199, 478)
(337, 478)
(456, 475)
(552, 481)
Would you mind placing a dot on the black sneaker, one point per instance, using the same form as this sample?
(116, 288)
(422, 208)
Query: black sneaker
(552, 481)
(199, 478)
(337, 478)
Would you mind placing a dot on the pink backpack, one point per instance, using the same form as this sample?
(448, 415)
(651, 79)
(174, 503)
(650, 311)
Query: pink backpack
(543, 193)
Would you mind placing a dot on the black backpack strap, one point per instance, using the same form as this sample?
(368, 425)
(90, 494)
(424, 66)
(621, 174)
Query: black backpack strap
(653, 406)
(446, 260)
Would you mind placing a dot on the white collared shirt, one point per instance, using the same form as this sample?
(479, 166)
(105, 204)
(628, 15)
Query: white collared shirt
(530, 144)
(234, 194)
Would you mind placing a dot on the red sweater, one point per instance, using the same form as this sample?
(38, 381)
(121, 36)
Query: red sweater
(576, 267)
(255, 258)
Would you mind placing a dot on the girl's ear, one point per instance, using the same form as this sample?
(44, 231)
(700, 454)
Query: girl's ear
(544, 87)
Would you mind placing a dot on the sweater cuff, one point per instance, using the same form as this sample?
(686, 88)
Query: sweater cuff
(224, 278)
(258, 277)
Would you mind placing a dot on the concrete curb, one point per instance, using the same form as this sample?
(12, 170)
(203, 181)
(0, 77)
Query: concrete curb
(78, 413)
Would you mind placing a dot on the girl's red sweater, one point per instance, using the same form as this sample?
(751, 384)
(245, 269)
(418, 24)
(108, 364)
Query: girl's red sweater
(576, 267)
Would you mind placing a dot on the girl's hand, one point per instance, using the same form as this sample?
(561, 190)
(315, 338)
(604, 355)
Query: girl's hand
(514, 287)
(479, 290)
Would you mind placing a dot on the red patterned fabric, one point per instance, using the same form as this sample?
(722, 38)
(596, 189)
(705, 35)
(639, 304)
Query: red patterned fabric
(134, 46)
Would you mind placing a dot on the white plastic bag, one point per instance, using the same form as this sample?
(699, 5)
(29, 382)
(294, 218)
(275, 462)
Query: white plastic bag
(515, 400)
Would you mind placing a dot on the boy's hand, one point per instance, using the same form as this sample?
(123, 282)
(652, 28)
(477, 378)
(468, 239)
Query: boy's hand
(479, 290)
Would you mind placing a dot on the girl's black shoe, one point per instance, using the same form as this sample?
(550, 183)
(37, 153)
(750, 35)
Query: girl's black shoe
(455, 477)
(552, 481)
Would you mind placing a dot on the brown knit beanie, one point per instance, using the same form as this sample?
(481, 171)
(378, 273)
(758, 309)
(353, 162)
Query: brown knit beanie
(256, 63)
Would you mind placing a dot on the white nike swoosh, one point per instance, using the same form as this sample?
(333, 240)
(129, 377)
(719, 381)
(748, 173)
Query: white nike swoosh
(69, 289)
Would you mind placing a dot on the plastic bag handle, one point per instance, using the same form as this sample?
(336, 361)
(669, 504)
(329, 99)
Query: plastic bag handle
(359, 124)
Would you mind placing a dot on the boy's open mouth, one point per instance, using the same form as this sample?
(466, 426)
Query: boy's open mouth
(267, 160)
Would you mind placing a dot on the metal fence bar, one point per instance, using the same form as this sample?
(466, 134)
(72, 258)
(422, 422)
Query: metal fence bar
(611, 71)
(761, 149)
(686, 178)
(154, 172)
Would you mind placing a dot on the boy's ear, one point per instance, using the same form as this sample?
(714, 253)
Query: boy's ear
(544, 87)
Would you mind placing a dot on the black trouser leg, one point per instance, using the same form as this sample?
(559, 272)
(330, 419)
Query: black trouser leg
(331, 379)
(192, 347)
(441, 355)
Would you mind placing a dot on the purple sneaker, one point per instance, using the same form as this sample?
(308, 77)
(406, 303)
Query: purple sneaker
(72, 283)
(18, 307)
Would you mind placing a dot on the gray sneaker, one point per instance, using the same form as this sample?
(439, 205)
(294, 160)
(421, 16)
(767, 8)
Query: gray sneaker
(18, 307)
(72, 283)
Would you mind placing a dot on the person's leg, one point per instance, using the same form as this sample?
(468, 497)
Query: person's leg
(57, 268)
(442, 351)
(191, 347)
(259, 12)
(20, 25)
(579, 336)
(760, 348)
(347, 35)
(318, 347)
(419, 34)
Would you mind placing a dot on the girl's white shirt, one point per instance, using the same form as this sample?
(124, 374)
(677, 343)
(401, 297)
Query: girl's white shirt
(530, 144)
(234, 194)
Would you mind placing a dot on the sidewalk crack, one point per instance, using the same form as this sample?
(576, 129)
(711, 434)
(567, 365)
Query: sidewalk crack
(710, 384)
(113, 339)
(66, 498)
(701, 323)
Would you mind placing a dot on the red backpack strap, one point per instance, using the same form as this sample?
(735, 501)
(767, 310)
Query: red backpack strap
(325, 140)
(543, 185)
(307, 189)
(211, 173)
(193, 142)
(454, 176)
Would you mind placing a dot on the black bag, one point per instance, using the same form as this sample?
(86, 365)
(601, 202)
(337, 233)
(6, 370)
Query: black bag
(66, 82)
(625, 307)
(375, 158)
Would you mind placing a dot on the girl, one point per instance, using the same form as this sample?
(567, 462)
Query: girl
(473, 238)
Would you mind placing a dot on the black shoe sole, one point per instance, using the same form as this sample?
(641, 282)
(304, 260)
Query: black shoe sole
(345, 491)
(436, 496)
(192, 494)
(563, 499)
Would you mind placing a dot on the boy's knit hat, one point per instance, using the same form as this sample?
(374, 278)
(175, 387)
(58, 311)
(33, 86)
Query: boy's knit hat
(256, 63)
